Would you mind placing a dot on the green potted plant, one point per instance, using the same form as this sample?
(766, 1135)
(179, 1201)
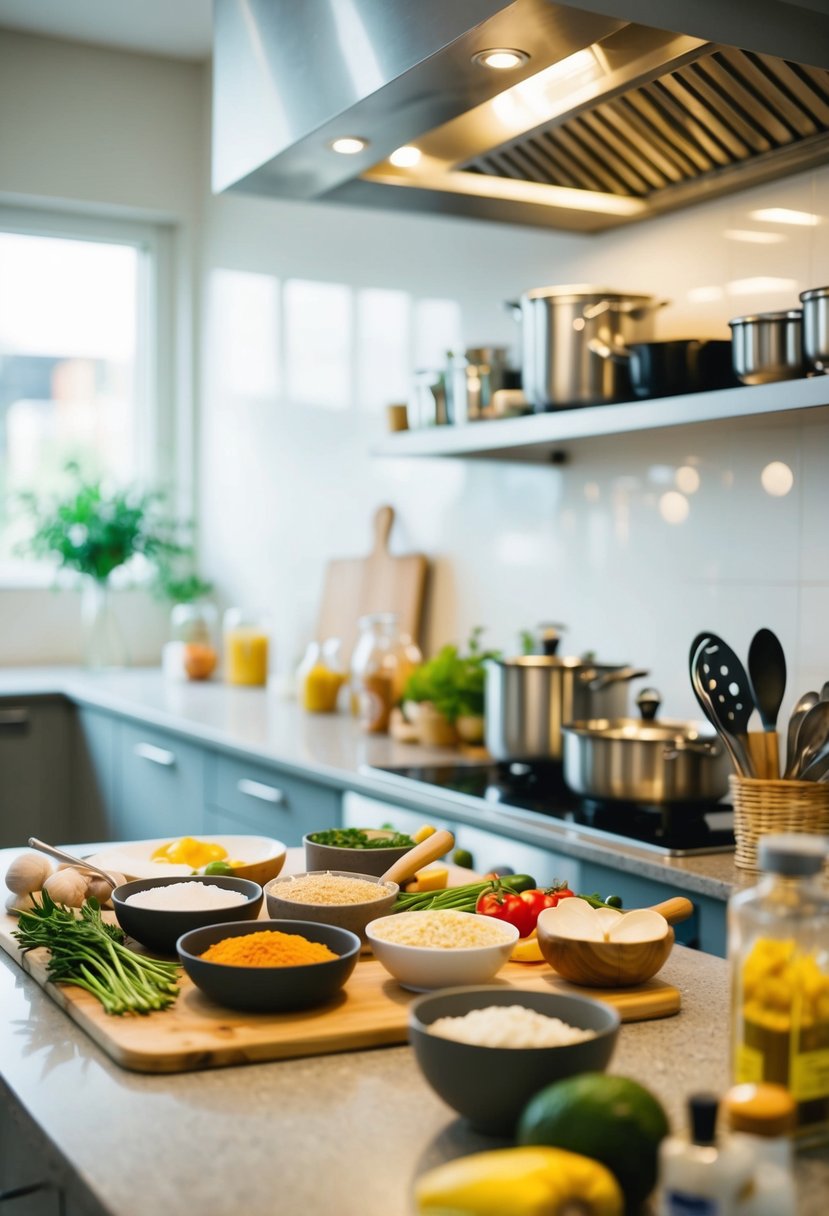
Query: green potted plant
(449, 693)
(94, 532)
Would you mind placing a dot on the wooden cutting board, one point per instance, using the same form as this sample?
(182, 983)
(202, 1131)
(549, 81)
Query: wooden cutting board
(372, 1011)
(380, 582)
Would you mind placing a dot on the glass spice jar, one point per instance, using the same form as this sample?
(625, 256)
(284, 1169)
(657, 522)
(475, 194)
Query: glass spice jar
(193, 650)
(374, 665)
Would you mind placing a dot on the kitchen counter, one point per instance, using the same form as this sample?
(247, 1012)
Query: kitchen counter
(333, 751)
(346, 1133)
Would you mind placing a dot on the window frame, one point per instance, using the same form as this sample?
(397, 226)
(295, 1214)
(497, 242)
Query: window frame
(157, 462)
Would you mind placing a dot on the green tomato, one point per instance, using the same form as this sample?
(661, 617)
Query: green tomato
(218, 867)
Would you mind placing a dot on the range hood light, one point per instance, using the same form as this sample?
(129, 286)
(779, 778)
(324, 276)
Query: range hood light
(752, 236)
(406, 157)
(348, 145)
(785, 215)
(500, 58)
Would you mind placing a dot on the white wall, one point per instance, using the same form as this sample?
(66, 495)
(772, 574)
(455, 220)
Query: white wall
(120, 134)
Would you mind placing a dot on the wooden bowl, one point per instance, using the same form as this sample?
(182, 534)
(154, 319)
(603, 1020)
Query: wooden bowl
(604, 964)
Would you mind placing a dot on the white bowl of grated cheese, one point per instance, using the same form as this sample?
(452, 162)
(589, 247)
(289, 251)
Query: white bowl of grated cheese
(487, 1050)
(439, 949)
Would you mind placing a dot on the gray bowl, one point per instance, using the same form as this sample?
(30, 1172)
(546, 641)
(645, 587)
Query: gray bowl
(269, 989)
(353, 917)
(160, 930)
(490, 1086)
(355, 861)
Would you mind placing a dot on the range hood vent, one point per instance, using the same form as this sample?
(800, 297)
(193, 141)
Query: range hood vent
(729, 109)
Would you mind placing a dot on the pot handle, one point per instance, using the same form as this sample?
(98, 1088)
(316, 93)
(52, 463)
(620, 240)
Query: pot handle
(624, 306)
(599, 682)
(648, 702)
(698, 747)
(618, 354)
(513, 306)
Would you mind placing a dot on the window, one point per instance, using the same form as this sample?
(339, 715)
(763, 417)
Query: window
(80, 312)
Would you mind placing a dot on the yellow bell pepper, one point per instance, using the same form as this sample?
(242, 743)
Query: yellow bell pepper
(528, 1181)
(527, 950)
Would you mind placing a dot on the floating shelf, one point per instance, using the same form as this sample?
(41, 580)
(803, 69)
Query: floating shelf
(540, 436)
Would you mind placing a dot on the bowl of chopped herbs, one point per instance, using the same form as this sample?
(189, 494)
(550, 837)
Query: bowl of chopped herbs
(357, 850)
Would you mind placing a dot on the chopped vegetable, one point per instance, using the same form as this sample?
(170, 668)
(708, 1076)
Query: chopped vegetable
(423, 833)
(355, 838)
(90, 953)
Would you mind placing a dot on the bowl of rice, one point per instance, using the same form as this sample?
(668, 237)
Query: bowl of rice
(331, 897)
(439, 949)
(156, 911)
(487, 1050)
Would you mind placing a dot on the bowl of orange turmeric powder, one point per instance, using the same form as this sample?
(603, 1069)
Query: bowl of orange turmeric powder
(269, 966)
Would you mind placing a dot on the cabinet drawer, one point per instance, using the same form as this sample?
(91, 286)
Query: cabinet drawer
(269, 800)
(160, 785)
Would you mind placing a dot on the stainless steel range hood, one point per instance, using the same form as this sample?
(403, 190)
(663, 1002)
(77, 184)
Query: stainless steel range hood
(608, 120)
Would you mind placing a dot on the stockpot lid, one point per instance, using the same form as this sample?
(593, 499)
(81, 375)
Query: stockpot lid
(552, 661)
(814, 293)
(581, 293)
(789, 314)
(639, 731)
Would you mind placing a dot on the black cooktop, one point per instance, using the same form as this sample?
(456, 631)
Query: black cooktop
(677, 831)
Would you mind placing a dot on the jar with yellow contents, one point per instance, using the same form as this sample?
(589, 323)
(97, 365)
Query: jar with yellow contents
(778, 944)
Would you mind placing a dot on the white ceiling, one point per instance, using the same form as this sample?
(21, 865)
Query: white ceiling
(178, 28)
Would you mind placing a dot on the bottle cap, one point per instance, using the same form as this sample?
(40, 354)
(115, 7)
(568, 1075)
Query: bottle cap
(703, 1112)
(793, 854)
(761, 1110)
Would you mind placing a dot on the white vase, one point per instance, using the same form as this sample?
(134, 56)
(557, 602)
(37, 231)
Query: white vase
(103, 642)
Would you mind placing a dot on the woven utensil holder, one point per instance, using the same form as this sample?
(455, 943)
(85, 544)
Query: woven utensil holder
(762, 807)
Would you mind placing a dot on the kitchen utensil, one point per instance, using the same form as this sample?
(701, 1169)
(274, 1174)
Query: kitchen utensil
(765, 807)
(604, 964)
(466, 1075)
(768, 346)
(558, 369)
(815, 304)
(380, 582)
(159, 929)
(721, 685)
(434, 846)
(194, 1034)
(70, 858)
(802, 707)
(767, 680)
(812, 737)
(528, 700)
(655, 763)
(818, 766)
(667, 369)
(270, 989)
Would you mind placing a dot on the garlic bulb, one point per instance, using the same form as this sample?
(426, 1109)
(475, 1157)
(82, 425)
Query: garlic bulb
(67, 887)
(19, 903)
(28, 872)
(100, 889)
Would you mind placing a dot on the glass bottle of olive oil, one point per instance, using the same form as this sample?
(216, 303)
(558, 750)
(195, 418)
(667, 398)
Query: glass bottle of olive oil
(778, 946)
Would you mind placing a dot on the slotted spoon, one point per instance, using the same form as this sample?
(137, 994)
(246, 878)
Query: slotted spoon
(723, 689)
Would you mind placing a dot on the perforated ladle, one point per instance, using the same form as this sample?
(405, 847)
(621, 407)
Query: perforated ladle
(723, 689)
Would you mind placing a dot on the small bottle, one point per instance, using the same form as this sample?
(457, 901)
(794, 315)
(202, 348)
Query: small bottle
(778, 948)
(764, 1117)
(320, 677)
(701, 1176)
(246, 647)
(373, 667)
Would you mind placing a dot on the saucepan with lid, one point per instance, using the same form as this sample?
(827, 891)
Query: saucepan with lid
(645, 760)
(768, 346)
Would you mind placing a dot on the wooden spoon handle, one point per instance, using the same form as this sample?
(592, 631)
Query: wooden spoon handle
(675, 910)
(430, 849)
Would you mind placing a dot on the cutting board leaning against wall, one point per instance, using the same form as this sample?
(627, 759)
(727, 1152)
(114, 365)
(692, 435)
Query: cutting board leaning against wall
(380, 582)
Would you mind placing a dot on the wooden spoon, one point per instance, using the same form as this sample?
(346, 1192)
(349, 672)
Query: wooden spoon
(430, 849)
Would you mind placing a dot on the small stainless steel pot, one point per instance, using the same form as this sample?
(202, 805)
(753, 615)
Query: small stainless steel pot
(816, 328)
(768, 346)
(642, 760)
(529, 699)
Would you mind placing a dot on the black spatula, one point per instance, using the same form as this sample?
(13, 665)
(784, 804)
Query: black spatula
(767, 676)
(722, 688)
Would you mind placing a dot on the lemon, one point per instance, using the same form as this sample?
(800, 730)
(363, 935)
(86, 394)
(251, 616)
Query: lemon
(527, 950)
(423, 833)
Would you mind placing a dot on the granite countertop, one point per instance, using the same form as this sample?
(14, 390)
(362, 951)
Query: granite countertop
(332, 750)
(346, 1133)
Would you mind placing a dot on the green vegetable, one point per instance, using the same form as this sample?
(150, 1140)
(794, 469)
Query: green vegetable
(90, 953)
(354, 838)
(614, 901)
(460, 899)
(452, 682)
(217, 867)
(595, 900)
(463, 858)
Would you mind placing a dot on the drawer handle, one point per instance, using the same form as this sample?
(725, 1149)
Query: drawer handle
(14, 719)
(156, 755)
(258, 789)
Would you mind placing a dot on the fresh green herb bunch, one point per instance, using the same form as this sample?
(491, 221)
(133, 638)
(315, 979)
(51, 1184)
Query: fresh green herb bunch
(95, 532)
(452, 681)
(89, 953)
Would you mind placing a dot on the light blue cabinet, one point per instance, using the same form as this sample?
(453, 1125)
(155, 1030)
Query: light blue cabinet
(35, 755)
(247, 796)
(159, 784)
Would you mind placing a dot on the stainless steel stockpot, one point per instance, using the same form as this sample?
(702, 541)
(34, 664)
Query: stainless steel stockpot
(558, 368)
(768, 346)
(643, 760)
(816, 328)
(528, 700)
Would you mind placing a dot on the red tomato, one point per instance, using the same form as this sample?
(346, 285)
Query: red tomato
(537, 900)
(565, 893)
(505, 905)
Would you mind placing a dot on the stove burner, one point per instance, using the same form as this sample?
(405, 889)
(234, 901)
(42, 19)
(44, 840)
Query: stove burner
(678, 828)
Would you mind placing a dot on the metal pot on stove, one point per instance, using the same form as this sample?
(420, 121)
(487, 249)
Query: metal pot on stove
(644, 760)
(528, 700)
